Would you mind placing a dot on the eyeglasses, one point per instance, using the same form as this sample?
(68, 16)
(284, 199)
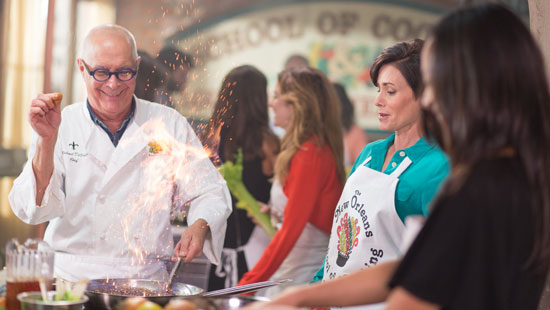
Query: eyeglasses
(102, 75)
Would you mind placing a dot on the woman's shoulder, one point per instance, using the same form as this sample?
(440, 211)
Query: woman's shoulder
(311, 145)
(311, 149)
(436, 154)
(490, 184)
(430, 157)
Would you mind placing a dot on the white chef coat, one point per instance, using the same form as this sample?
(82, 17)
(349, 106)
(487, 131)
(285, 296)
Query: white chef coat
(110, 206)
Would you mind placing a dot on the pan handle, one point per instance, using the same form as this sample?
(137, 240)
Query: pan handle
(244, 288)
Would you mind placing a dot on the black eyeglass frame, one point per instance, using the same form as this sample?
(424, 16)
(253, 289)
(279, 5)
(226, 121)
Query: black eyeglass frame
(109, 73)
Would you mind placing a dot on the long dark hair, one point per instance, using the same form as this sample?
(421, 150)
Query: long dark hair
(240, 118)
(491, 91)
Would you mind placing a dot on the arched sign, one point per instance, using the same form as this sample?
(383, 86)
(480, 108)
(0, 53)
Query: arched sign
(339, 37)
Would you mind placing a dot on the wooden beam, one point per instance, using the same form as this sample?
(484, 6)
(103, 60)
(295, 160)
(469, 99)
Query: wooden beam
(48, 47)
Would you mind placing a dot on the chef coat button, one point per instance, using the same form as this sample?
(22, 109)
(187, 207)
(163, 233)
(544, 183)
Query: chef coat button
(394, 164)
(102, 237)
(402, 154)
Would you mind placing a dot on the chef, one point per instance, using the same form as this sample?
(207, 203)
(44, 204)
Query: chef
(105, 173)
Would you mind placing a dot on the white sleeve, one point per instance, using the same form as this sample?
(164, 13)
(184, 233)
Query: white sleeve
(200, 182)
(22, 196)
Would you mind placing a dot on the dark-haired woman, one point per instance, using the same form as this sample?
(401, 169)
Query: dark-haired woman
(392, 178)
(240, 120)
(486, 243)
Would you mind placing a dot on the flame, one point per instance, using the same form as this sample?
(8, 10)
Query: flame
(165, 160)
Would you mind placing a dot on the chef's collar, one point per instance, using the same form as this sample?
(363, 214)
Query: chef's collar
(115, 137)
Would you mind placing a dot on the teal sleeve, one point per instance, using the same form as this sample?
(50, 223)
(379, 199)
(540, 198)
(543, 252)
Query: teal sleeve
(320, 273)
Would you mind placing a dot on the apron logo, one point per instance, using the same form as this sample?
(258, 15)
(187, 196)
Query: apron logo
(377, 254)
(347, 232)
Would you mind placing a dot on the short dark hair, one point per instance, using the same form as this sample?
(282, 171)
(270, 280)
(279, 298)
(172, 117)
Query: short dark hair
(296, 60)
(405, 56)
(174, 59)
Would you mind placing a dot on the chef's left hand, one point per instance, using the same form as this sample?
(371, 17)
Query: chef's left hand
(192, 240)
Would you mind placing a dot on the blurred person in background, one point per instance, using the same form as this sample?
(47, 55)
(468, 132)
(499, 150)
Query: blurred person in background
(240, 121)
(98, 173)
(355, 138)
(177, 65)
(296, 61)
(486, 243)
(309, 174)
(391, 179)
(149, 78)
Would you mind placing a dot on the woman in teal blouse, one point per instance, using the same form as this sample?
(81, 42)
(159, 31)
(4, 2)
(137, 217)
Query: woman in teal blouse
(419, 183)
(391, 178)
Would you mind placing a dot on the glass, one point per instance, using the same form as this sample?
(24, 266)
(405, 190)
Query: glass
(102, 75)
(26, 265)
(33, 300)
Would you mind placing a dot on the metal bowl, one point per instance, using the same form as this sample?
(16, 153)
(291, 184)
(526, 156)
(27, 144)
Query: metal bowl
(33, 301)
(107, 293)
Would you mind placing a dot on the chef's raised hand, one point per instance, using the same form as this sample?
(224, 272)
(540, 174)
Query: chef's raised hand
(45, 115)
(192, 240)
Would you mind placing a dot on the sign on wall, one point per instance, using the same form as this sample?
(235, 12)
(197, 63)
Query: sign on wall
(341, 38)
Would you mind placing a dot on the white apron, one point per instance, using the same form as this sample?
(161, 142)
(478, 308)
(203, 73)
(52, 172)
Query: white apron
(305, 257)
(253, 251)
(366, 228)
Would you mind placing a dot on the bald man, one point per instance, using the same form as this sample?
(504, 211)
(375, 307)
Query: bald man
(106, 172)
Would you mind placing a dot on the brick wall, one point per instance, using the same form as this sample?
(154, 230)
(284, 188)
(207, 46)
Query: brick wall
(153, 21)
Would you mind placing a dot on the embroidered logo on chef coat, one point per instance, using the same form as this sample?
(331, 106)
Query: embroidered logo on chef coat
(347, 232)
(73, 145)
(73, 154)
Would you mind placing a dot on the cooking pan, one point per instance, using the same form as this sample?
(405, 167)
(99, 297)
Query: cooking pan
(107, 293)
(216, 303)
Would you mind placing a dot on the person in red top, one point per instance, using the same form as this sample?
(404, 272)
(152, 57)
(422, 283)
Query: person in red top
(309, 177)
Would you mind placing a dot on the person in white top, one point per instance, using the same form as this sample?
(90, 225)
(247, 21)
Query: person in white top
(106, 172)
